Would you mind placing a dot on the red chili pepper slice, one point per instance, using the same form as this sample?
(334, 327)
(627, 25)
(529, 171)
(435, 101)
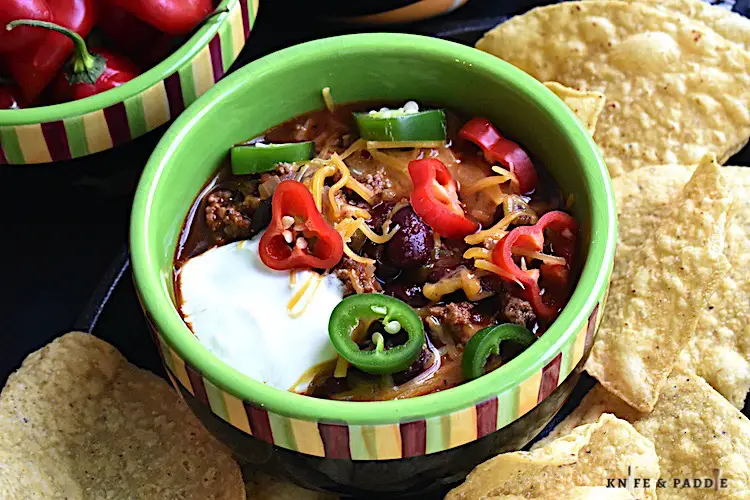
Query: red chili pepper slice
(87, 73)
(307, 242)
(498, 149)
(176, 17)
(435, 199)
(10, 10)
(34, 67)
(562, 237)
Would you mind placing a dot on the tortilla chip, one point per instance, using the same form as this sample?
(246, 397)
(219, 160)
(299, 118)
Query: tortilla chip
(675, 89)
(657, 295)
(588, 456)
(77, 417)
(587, 106)
(263, 487)
(579, 493)
(720, 348)
(730, 25)
(694, 429)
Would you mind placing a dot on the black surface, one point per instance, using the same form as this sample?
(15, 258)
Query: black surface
(64, 226)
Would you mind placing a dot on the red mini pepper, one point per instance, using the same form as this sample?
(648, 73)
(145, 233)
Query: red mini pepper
(34, 67)
(10, 10)
(140, 41)
(562, 237)
(305, 242)
(498, 149)
(86, 73)
(435, 199)
(10, 97)
(176, 17)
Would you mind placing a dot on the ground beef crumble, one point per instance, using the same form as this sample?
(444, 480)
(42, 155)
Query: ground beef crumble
(378, 181)
(226, 218)
(519, 311)
(362, 274)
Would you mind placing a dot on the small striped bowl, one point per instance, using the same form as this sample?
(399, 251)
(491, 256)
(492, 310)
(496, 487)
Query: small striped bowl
(75, 129)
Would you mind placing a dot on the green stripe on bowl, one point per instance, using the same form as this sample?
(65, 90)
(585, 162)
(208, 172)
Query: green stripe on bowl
(11, 146)
(507, 407)
(281, 429)
(358, 443)
(436, 435)
(136, 116)
(227, 46)
(188, 84)
(216, 400)
(76, 137)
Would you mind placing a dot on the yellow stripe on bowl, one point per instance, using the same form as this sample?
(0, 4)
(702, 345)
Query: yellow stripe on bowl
(32, 144)
(97, 131)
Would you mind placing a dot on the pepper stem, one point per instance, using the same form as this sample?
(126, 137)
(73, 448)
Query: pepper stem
(85, 67)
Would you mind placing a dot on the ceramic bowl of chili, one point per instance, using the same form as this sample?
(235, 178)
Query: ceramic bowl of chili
(144, 63)
(404, 446)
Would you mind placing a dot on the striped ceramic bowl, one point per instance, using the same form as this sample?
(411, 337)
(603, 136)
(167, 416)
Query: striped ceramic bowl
(75, 129)
(354, 447)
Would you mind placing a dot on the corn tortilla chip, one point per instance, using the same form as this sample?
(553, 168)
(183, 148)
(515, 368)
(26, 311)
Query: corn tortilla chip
(263, 487)
(675, 89)
(579, 493)
(694, 429)
(78, 421)
(587, 457)
(720, 348)
(656, 297)
(732, 26)
(587, 106)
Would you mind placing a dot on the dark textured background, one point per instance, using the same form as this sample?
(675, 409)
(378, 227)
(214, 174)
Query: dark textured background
(64, 226)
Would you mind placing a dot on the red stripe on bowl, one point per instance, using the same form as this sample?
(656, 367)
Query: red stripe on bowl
(413, 438)
(57, 140)
(199, 388)
(245, 16)
(550, 376)
(3, 159)
(117, 122)
(259, 423)
(486, 417)
(174, 95)
(335, 440)
(214, 46)
(591, 328)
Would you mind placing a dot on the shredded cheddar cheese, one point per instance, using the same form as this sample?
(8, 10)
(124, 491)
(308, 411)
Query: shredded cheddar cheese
(345, 176)
(485, 183)
(398, 206)
(489, 266)
(328, 98)
(547, 259)
(362, 190)
(318, 182)
(305, 291)
(404, 144)
(462, 280)
(352, 211)
(342, 367)
(357, 145)
(347, 227)
(387, 160)
(495, 232)
(478, 253)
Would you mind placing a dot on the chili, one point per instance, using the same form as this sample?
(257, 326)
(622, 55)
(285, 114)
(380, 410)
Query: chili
(87, 73)
(394, 316)
(563, 229)
(498, 149)
(435, 199)
(176, 17)
(34, 67)
(257, 158)
(10, 10)
(487, 341)
(298, 237)
(394, 126)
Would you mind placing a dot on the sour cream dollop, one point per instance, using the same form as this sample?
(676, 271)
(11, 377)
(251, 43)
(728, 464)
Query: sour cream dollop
(237, 307)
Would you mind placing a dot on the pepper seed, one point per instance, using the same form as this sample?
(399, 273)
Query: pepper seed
(287, 221)
(288, 236)
(392, 327)
(301, 243)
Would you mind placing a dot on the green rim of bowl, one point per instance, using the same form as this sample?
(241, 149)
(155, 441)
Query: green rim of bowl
(593, 281)
(183, 55)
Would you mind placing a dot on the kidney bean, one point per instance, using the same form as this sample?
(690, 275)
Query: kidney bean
(413, 243)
